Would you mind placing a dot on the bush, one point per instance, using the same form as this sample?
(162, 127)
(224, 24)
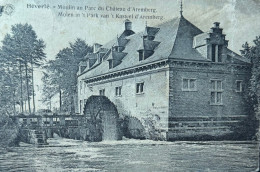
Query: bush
(9, 131)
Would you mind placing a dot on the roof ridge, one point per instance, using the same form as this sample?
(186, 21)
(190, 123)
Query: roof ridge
(192, 24)
(236, 55)
(185, 31)
(166, 36)
(176, 34)
(155, 26)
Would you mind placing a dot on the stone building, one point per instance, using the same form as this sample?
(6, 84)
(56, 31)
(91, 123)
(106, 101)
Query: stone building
(186, 79)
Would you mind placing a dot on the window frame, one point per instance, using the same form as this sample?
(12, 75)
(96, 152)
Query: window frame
(138, 88)
(80, 87)
(240, 86)
(216, 53)
(102, 92)
(80, 106)
(110, 64)
(119, 92)
(84, 87)
(216, 91)
(141, 58)
(189, 89)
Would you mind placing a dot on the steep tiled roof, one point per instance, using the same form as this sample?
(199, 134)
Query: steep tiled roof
(182, 48)
(166, 36)
(148, 45)
(200, 40)
(152, 30)
(121, 42)
(237, 58)
(173, 39)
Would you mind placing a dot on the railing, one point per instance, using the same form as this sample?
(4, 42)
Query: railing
(49, 121)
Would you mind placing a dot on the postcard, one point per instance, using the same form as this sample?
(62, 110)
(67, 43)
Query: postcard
(129, 85)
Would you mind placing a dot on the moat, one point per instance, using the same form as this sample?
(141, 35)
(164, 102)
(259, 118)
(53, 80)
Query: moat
(131, 155)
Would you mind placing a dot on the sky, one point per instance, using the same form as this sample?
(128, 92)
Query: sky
(238, 18)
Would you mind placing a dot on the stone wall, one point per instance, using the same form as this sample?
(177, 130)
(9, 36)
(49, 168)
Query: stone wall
(192, 115)
(154, 98)
(33, 136)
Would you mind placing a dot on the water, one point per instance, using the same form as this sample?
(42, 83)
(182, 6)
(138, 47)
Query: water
(131, 155)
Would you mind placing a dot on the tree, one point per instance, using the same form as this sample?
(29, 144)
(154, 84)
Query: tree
(253, 91)
(253, 54)
(8, 75)
(62, 72)
(23, 49)
(49, 88)
(37, 57)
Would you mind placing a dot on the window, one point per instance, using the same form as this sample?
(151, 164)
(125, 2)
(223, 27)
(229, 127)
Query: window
(116, 48)
(102, 92)
(213, 53)
(85, 85)
(80, 106)
(216, 53)
(118, 91)
(140, 88)
(99, 59)
(188, 84)
(239, 87)
(110, 64)
(216, 92)
(141, 55)
(80, 85)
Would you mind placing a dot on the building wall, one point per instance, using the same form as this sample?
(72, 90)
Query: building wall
(192, 114)
(154, 100)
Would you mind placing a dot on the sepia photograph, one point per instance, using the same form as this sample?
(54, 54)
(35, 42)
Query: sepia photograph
(129, 85)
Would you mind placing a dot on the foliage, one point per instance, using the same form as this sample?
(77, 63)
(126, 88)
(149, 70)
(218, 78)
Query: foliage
(61, 73)
(20, 51)
(253, 87)
(9, 131)
(152, 124)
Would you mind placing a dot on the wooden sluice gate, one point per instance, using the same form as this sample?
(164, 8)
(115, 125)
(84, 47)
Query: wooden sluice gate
(36, 129)
(47, 121)
(99, 122)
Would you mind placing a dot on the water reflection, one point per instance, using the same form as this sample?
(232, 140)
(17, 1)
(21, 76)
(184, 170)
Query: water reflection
(131, 155)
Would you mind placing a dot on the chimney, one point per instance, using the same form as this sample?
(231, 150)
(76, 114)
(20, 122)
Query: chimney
(128, 25)
(216, 25)
(96, 47)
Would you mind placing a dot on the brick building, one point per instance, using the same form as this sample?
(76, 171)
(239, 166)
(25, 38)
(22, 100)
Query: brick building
(188, 78)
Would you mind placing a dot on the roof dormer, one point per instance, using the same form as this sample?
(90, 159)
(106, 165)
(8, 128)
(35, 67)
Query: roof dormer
(96, 47)
(101, 53)
(146, 48)
(115, 58)
(120, 44)
(82, 66)
(212, 45)
(91, 59)
(216, 43)
(150, 32)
